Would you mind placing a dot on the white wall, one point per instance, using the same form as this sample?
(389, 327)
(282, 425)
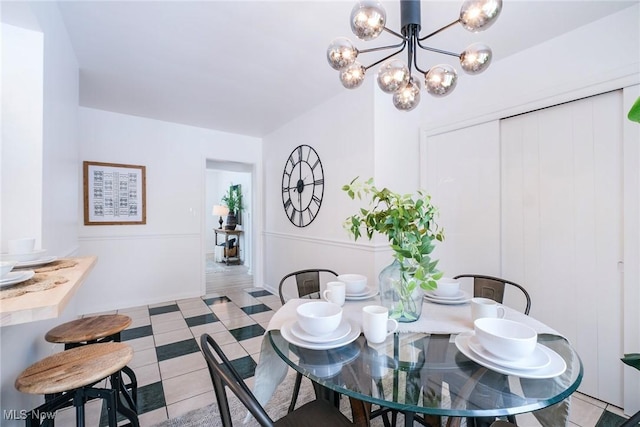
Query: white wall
(341, 133)
(50, 167)
(21, 143)
(164, 259)
(462, 174)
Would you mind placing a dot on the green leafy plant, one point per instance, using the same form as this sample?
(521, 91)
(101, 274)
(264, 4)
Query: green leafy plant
(233, 200)
(408, 221)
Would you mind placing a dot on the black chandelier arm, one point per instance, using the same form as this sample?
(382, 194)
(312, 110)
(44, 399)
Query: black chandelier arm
(385, 58)
(415, 62)
(375, 49)
(433, 49)
(390, 31)
(439, 30)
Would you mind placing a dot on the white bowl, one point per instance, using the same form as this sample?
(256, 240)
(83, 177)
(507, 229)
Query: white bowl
(354, 283)
(6, 267)
(29, 256)
(504, 338)
(319, 317)
(447, 287)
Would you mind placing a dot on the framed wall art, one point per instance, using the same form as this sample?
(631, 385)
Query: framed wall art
(114, 194)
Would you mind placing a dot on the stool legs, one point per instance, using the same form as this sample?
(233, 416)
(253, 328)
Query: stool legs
(128, 406)
(43, 414)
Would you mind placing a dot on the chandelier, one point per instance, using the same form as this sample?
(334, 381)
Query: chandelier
(368, 21)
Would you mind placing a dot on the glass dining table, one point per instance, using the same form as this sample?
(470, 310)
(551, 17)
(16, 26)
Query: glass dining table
(427, 377)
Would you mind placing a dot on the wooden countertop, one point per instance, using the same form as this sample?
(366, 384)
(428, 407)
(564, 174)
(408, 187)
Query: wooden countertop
(49, 303)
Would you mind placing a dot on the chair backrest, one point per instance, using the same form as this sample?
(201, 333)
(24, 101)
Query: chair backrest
(224, 374)
(493, 288)
(307, 282)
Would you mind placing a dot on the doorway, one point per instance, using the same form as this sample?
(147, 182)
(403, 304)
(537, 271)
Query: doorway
(219, 177)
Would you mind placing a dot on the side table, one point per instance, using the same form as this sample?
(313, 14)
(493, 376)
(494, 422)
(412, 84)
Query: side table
(226, 233)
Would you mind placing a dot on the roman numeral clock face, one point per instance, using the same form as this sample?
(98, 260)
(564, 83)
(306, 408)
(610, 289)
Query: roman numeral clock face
(302, 186)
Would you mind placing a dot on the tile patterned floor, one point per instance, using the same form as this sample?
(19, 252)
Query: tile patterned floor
(172, 374)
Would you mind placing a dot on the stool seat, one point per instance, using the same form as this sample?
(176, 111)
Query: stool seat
(75, 368)
(88, 328)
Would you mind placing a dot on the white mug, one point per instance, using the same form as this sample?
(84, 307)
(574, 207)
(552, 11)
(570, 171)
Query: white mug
(335, 293)
(21, 246)
(376, 323)
(485, 307)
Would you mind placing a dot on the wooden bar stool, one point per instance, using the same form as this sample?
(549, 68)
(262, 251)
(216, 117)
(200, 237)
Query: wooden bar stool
(87, 330)
(69, 378)
(100, 329)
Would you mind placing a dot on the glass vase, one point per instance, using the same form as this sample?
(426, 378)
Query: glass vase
(400, 293)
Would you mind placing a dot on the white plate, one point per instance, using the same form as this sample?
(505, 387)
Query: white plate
(30, 256)
(555, 367)
(359, 294)
(460, 296)
(371, 292)
(36, 262)
(341, 331)
(15, 277)
(285, 331)
(537, 360)
(464, 300)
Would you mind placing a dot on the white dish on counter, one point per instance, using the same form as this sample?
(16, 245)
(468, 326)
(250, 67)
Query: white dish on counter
(36, 262)
(15, 277)
(28, 256)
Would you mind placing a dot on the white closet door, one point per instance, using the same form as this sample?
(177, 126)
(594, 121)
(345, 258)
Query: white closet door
(461, 171)
(562, 227)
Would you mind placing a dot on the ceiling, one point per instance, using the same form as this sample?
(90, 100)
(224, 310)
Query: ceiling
(249, 67)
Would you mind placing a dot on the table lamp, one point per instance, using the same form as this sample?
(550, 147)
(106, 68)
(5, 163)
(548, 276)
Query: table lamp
(220, 210)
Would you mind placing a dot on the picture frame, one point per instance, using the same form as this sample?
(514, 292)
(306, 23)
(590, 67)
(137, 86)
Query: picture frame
(238, 190)
(114, 194)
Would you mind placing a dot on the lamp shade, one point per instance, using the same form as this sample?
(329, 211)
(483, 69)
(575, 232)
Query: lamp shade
(220, 210)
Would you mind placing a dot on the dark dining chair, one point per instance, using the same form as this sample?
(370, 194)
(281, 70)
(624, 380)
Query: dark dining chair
(493, 288)
(307, 285)
(315, 413)
(307, 282)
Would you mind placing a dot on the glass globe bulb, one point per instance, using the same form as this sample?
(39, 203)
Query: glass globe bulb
(341, 53)
(476, 58)
(478, 15)
(408, 97)
(368, 19)
(393, 75)
(440, 80)
(352, 76)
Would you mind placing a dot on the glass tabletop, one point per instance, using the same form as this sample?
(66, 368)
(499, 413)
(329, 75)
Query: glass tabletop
(422, 373)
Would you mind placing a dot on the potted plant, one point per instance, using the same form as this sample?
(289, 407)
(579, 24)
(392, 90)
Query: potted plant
(408, 221)
(232, 200)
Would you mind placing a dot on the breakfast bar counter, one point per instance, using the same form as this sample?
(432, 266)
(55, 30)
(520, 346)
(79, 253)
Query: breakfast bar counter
(47, 303)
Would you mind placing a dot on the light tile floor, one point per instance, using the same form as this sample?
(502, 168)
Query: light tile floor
(172, 374)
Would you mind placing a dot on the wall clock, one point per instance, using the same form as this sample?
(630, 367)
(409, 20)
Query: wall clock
(302, 186)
